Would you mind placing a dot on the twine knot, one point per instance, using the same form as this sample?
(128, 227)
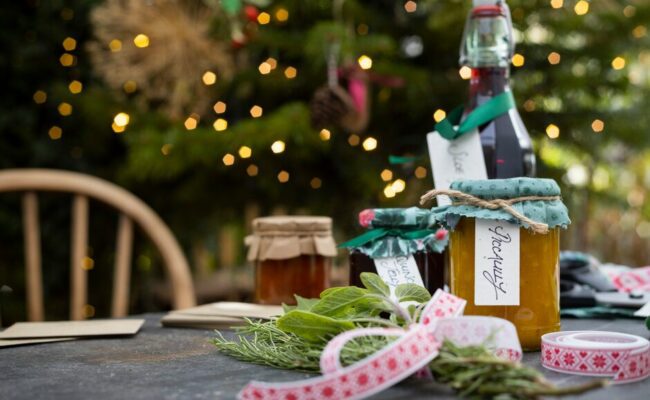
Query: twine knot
(466, 199)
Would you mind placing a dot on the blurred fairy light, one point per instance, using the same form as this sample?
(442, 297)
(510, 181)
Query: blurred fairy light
(557, 3)
(141, 41)
(552, 131)
(386, 175)
(362, 29)
(282, 15)
(121, 119)
(55, 133)
(278, 146)
(369, 144)
(412, 46)
(389, 192)
(130, 86)
(629, 11)
(283, 177)
(398, 185)
(272, 62)
(117, 129)
(256, 111)
(263, 18)
(65, 109)
(439, 115)
(191, 122)
(420, 172)
(365, 62)
(252, 170)
(640, 31)
(67, 60)
(69, 44)
(88, 311)
(75, 87)
(209, 78)
(219, 107)
(220, 125)
(324, 134)
(465, 72)
(290, 72)
(529, 105)
(597, 125)
(245, 152)
(315, 183)
(39, 97)
(166, 149)
(518, 60)
(581, 7)
(618, 63)
(228, 159)
(410, 6)
(353, 140)
(554, 58)
(600, 179)
(115, 45)
(264, 68)
(577, 175)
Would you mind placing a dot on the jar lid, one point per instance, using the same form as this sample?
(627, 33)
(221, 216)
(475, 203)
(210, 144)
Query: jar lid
(284, 237)
(527, 202)
(292, 225)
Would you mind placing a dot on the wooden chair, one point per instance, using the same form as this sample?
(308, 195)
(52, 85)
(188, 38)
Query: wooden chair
(131, 209)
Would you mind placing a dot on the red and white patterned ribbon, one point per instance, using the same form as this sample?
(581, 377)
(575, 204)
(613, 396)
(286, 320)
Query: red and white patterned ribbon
(622, 357)
(408, 354)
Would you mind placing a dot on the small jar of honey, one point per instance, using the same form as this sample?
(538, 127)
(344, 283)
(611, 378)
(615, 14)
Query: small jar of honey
(399, 247)
(504, 251)
(292, 255)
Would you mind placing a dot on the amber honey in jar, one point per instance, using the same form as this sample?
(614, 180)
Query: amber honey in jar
(292, 255)
(399, 247)
(499, 263)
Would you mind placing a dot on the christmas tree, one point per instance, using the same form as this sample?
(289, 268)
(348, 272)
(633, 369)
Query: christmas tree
(216, 111)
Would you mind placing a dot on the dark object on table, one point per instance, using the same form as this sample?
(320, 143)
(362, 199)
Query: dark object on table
(574, 295)
(583, 269)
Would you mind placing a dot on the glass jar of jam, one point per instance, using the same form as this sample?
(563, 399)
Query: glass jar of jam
(399, 248)
(481, 251)
(292, 255)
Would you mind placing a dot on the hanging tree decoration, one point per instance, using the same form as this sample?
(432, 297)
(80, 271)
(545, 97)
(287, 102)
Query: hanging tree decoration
(162, 49)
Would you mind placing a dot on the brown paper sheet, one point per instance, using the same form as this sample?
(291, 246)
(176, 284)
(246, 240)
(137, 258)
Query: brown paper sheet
(59, 329)
(24, 342)
(220, 315)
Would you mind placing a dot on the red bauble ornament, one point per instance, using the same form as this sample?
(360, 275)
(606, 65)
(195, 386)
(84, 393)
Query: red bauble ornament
(251, 13)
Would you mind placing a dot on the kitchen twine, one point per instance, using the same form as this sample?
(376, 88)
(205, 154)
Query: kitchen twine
(409, 354)
(466, 199)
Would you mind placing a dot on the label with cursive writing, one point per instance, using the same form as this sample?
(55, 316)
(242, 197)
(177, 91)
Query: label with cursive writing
(453, 160)
(397, 270)
(496, 263)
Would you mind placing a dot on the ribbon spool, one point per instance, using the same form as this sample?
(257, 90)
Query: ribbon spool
(622, 357)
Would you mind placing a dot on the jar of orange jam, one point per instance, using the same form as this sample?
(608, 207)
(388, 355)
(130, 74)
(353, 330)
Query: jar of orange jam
(292, 255)
(497, 274)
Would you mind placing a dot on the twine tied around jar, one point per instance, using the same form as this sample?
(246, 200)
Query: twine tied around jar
(466, 199)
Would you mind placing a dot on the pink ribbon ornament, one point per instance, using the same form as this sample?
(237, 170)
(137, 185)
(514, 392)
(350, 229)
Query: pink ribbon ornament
(409, 354)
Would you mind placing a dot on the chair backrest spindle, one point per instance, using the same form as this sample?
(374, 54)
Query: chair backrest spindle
(123, 250)
(32, 245)
(78, 253)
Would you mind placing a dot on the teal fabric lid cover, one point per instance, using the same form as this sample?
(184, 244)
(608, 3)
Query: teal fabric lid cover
(395, 232)
(551, 212)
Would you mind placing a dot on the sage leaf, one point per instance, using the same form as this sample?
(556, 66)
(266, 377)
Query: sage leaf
(304, 304)
(412, 292)
(286, 308)
(310, 326)
(374, 284)
(339, 302)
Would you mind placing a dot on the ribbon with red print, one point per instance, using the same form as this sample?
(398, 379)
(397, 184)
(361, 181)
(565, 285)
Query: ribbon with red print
(622, 357)
(409, 354)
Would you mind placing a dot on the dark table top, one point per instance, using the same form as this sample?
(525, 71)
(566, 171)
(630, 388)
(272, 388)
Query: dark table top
(168, 363)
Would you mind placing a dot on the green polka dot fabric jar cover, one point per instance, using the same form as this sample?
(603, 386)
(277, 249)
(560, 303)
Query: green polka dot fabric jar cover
(504, 250)
(401, 246)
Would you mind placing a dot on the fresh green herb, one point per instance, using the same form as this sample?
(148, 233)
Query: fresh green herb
(297, 339)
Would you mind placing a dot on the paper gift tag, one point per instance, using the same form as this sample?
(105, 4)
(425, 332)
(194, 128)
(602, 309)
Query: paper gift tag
(397, 270)
(453, 160)
(496, 263)
(95, 327)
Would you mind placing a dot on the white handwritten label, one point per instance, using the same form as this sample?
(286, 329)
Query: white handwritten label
(496, 263)
(397, 270)
(453, 160)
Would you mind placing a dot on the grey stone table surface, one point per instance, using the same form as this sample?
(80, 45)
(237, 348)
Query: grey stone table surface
(169, 363)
